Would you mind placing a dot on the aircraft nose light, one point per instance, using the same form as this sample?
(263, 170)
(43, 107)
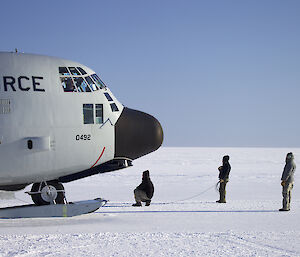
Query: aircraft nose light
(136, 134)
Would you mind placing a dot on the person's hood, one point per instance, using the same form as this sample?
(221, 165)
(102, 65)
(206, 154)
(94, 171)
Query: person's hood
(146, 174)
(225, 158)
(289, 157)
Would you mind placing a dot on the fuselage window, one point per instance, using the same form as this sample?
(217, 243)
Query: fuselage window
(108, 97)
(81, 70)
(91, 83)
(74, 71)
(81, 84)
(114, 107)
(98, 81)
(99, 113)
(88, 113)
(68, 85)
(63, 71)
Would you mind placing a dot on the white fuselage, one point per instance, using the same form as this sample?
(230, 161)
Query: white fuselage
(42, 130)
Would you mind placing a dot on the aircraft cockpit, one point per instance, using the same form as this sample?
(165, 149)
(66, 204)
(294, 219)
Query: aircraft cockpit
(76, 79)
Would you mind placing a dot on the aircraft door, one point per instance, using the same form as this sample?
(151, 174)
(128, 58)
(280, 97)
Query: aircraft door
(102, 135)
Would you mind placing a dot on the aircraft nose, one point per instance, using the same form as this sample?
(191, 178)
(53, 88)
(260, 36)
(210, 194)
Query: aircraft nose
(136, 134)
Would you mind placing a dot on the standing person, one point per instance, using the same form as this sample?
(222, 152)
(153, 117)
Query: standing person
(287, 181)
(224, 171)
(144, 192)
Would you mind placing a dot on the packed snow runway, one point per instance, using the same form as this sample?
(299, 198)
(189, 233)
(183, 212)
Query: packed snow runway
(183, 218)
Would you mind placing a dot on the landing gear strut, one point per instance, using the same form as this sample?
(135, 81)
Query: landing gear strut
(50, 192)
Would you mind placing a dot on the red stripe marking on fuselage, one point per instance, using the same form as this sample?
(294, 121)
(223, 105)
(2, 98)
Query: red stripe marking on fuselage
(99, 157)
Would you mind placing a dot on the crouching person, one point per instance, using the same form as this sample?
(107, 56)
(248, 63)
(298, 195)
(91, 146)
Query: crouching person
(144, 192)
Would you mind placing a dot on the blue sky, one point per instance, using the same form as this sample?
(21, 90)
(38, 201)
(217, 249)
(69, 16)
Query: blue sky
(214, 73)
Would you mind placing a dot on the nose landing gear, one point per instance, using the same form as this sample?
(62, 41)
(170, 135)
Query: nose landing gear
(50, 201)
(50, 192)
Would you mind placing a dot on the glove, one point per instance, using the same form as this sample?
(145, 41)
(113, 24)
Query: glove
(283, 183)
(220, 168)
(221, 180)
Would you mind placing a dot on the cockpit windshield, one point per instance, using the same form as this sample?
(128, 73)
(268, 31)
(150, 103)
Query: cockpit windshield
(74, 71)
(63, 71)
(72, 80)
(68, 84)
(82, 85)
(91, 83)
(98, 81)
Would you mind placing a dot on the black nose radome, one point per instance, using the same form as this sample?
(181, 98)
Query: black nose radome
(136, 134)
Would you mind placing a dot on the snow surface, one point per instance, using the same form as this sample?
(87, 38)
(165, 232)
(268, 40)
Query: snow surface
(183, 218)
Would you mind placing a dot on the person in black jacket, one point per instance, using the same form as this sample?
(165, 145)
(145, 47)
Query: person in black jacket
(223, 177)
(287, 181)
(144, 192)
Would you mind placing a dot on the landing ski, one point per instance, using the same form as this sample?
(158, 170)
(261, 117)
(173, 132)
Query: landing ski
(52, 210)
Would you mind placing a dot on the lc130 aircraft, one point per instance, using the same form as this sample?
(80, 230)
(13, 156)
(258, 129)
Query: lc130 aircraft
(59, 122)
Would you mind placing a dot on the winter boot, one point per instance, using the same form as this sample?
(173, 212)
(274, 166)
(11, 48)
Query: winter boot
(285, 205)
(137, 204)
(282, 209)
(222, 197)
(148, 202)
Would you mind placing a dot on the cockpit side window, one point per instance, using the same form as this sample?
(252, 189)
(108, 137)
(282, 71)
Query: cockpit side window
(74, 71)
(88, 113)
(64, 71)
(81, 85)
(108, 97)
(67, 84)
(114, 107)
